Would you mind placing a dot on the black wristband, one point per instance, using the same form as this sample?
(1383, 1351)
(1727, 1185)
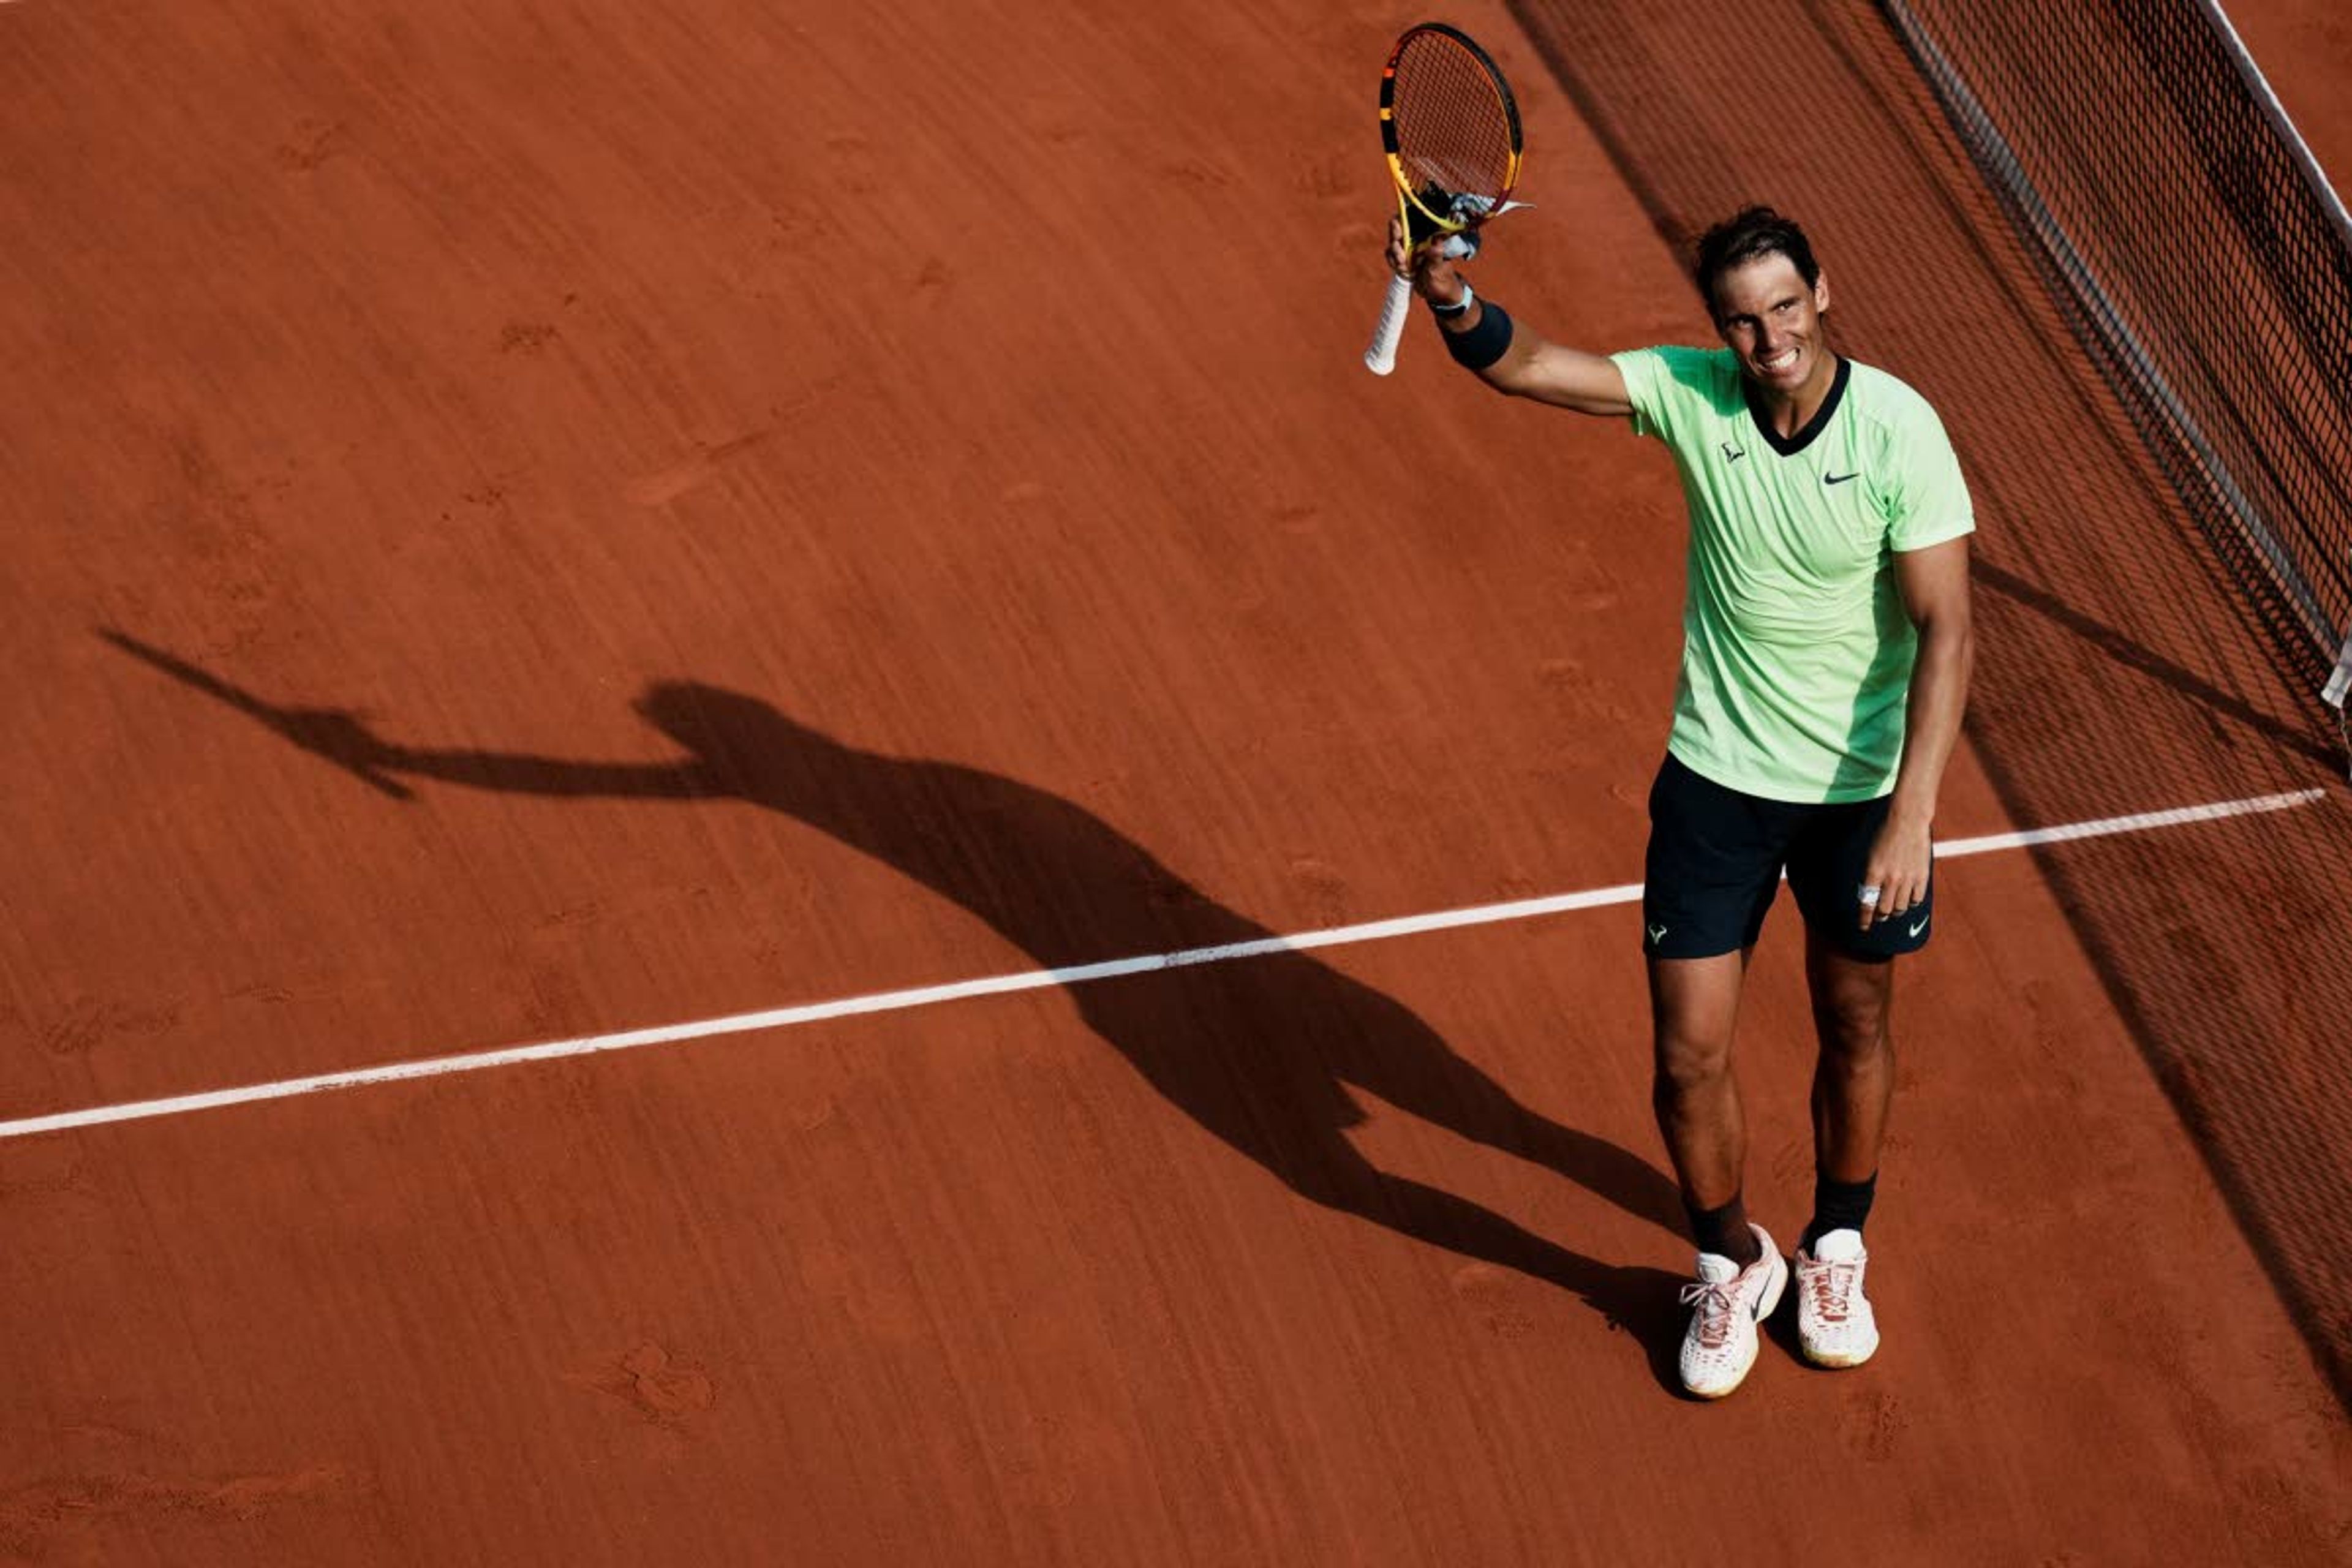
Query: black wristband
(1485, 343)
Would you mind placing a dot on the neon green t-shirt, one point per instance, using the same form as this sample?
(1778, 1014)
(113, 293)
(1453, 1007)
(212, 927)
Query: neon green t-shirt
(1797, 651)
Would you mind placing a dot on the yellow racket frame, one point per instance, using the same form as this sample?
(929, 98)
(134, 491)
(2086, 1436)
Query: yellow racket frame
(1409, 200)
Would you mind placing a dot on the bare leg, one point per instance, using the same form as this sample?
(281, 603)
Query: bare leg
(1853, 1081)
(1693, 1005)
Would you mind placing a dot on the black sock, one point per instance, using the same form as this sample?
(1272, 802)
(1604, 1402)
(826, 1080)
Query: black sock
(1838, 1205)
(1725, 1231)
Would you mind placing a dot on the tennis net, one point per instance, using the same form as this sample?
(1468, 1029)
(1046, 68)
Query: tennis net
(2202, 259)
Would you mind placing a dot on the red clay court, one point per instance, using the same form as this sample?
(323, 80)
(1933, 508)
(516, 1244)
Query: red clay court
(641, 532)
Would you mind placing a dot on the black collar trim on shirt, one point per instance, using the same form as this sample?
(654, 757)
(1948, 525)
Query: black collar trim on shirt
(1790, 445)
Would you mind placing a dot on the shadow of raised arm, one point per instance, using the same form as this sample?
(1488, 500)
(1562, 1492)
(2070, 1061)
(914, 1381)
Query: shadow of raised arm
(342, 738)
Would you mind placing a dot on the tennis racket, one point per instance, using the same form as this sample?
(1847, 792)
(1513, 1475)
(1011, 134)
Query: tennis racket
(1451, 130)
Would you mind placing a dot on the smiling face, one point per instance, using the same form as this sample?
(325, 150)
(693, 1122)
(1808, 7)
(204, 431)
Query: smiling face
(1771, 320)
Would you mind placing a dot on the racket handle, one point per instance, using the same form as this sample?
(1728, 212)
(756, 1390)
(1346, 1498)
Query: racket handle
(1381, 358)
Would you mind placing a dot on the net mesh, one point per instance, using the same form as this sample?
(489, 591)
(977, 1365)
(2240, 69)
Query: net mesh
(1453, 127)
(2204, 263)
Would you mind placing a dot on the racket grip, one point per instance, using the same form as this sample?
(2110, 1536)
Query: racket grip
(1381, 358)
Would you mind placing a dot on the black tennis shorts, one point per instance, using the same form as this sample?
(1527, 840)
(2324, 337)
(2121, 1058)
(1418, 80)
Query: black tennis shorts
(1716, 860)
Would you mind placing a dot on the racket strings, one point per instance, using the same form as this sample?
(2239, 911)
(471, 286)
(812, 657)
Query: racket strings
(1455, 129)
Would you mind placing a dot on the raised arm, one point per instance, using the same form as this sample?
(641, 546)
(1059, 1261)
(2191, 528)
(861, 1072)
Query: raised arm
(1528, 366)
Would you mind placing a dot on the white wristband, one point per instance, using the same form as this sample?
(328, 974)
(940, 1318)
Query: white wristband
(1456, 308)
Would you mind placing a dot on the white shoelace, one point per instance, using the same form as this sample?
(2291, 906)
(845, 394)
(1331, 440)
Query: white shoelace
(1831, 1287)
(1715, 1309)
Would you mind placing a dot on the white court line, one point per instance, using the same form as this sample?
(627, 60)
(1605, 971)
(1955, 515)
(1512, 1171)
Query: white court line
(930, 995)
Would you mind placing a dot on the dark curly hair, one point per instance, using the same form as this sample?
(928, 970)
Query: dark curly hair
(1746, 235)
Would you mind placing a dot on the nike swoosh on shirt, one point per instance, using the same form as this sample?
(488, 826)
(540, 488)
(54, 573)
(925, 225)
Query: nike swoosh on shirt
(1839, 479)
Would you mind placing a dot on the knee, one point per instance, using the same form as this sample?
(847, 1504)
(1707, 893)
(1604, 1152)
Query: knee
(1854, 1034)
(1851, 1004)
(1685, 1064)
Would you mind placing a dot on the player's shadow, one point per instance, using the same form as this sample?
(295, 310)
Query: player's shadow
(1259, 1051)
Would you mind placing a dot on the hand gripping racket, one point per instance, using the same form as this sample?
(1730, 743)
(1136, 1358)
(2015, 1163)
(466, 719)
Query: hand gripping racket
(1450, 131)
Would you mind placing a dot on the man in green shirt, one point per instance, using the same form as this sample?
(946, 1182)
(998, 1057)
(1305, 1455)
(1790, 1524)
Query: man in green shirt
(1826, 650)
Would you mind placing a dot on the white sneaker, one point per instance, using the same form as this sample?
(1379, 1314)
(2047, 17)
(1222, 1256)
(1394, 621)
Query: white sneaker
(1834, 1323)
(1726, 1304)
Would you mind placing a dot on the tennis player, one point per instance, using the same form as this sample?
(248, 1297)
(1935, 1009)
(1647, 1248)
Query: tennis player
(1826, 652)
